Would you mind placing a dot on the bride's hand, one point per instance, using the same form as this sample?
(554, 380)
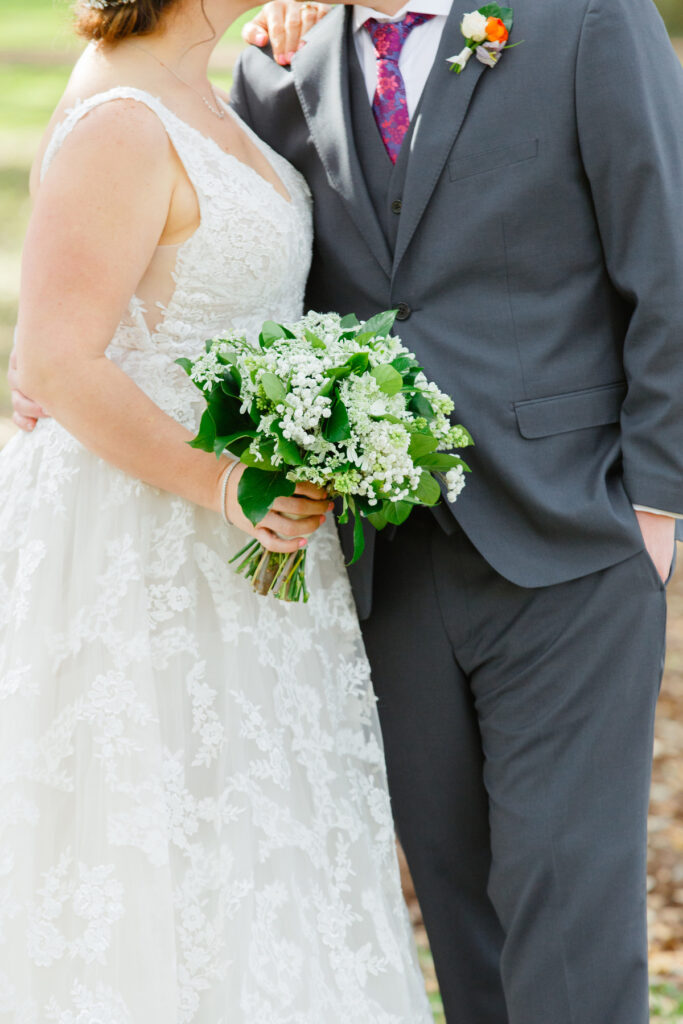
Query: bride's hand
(283, 24)
(25, 412)
(278, 532)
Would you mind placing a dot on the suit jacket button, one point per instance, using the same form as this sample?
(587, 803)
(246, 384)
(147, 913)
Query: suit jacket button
(396, 206)
(404, 311)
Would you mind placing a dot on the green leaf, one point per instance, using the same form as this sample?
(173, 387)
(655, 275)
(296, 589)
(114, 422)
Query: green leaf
(328, 387)
(421, 444)
(403, 363)
(428, 491)
(227, 415)
(286, 447)
(221, 443)
(359, 363)
(271, 332)
(206, 435)
(239, 447)
(231, 382)
(358, 538)
(273, 387)
(313, 340)
(363, 503)
(388, 418)
(377, 519)
(440, 462)
(266, 450)
(390, 380)
(337, 427)
(186, 364)
(258, 490)
(421, 407)
(264, 464)
(396, 512)
(343, 516)
(339, 372)
(380, 326)
(506, 14)
(351, 320)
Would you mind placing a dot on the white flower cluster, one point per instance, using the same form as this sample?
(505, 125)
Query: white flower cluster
(455, 482)
(290, 384)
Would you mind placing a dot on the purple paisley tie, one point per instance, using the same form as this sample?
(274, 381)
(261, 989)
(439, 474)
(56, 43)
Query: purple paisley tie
(390, 105)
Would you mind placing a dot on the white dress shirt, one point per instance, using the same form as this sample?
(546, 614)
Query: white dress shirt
(415, 63)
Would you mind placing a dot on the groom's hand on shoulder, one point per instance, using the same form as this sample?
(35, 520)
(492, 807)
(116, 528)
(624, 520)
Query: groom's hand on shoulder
(283, 24)
(25, 412)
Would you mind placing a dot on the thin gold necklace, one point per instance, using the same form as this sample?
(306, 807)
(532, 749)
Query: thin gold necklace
(217, 111)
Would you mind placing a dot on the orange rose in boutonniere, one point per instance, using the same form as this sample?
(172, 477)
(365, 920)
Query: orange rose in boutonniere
(496, 32)
(487, 32)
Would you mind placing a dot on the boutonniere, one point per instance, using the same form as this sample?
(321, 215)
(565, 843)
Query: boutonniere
(487, 32)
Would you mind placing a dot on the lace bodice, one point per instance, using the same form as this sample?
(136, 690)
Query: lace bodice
(247, 261)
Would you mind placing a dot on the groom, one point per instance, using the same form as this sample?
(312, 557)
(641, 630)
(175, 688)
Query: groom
(525, 220)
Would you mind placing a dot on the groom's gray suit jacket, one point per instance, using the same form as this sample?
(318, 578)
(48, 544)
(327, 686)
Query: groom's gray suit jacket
(531, 235)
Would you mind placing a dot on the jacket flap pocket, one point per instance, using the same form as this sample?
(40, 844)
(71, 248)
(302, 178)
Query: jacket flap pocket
(477, 163)
(595, 407)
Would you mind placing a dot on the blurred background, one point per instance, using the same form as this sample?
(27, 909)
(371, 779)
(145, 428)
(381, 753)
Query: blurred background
(37, 50)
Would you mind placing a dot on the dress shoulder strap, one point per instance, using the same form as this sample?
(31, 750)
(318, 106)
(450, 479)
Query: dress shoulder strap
(176, 128)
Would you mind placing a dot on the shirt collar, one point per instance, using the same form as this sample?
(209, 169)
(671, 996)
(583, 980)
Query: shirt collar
(435, 7)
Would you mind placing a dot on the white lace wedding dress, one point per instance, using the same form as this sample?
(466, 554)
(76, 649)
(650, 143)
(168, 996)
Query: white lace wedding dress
(194, 820)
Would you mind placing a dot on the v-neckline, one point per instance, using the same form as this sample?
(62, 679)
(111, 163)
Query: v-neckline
(287, 199)
(285, 196)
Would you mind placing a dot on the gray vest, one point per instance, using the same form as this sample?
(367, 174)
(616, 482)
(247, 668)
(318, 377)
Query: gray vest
(385, 181)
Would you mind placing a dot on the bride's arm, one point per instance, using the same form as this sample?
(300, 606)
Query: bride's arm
(98, 217)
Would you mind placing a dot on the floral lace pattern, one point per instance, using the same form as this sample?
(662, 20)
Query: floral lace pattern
(194, 819)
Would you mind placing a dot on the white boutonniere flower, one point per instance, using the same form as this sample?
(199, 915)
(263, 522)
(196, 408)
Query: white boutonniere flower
(473, 26)
(487, 32)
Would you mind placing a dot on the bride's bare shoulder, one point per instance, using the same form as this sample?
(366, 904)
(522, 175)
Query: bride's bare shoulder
(124, 120)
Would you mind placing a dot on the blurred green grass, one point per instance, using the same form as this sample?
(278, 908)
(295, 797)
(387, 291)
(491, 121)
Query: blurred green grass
(30, 26)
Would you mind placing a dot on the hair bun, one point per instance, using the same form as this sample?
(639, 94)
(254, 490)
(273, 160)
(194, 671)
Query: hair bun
(110, 21)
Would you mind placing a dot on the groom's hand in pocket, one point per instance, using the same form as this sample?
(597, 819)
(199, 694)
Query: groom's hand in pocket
(659, 536)
(25, 412)
(290, 521)
(283, 24)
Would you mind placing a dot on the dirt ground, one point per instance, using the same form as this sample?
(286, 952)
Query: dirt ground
(666, 811)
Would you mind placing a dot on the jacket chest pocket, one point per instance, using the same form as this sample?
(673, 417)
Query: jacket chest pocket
(470, 164)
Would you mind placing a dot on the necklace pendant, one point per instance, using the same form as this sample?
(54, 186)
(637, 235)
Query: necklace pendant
(220, 114)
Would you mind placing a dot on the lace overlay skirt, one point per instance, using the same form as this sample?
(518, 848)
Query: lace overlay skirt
(194, 820)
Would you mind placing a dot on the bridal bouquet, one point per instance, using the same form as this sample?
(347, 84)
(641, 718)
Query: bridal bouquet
(335, 402)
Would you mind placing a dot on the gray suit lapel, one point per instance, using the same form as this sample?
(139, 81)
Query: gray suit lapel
(437, 123)
(321, 79)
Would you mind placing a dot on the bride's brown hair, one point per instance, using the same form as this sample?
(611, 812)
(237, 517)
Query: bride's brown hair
(118, 21)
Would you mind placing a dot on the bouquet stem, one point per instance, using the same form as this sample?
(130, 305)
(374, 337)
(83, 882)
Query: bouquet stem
(282, 574)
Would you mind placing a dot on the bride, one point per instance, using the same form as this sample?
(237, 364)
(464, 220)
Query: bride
(194, 820)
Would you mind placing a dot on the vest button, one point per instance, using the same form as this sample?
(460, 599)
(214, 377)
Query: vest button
(404, 311)
(396, 206)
